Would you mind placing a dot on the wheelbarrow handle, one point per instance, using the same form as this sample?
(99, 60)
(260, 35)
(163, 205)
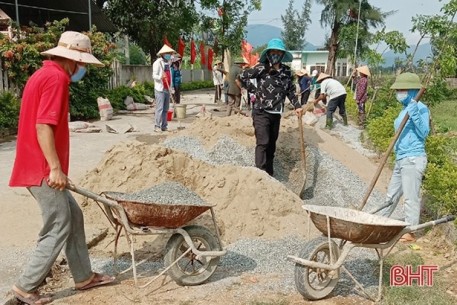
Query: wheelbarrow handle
(431, 223)
(92, 195)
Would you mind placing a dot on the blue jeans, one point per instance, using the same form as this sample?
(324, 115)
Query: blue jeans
(162, 105)
(406, 180)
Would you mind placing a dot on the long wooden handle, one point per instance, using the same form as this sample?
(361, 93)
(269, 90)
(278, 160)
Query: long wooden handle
(302, 142)
(387, 153)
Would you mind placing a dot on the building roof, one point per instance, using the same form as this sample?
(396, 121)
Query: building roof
(41, 11)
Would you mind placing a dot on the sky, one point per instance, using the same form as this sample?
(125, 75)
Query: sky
(401, 21)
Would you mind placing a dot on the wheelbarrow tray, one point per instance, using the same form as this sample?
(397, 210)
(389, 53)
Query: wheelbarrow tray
(150, 214)
(353, 225)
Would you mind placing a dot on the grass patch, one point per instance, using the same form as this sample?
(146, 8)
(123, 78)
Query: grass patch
(412, 295)
(444, 114)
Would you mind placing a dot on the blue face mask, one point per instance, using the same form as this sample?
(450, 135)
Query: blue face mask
(167, 56)
(79, 74)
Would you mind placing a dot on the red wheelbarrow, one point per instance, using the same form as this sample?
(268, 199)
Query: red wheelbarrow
(192, 252)
(319, 264)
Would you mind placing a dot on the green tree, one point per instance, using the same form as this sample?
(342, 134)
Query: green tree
(148, 22)
(338, 14)
(229, 26)
(295, 25)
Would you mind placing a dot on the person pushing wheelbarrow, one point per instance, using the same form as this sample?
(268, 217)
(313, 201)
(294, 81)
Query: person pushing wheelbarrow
(41, 165)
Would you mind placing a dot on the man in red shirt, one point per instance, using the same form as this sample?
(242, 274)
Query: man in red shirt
(41, 165)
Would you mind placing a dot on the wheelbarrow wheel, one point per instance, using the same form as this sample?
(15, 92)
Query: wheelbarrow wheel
(191, 269)
(315, 283)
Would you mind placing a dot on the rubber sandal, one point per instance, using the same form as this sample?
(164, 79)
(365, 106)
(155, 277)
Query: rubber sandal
(98, 280)
(34, 299)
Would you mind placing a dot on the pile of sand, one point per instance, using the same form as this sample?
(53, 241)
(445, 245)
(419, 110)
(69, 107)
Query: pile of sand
(210, 130)
(248, 202)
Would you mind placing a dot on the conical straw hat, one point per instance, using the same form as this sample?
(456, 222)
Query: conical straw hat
(322, 76)
(364, 70)
(165, 49)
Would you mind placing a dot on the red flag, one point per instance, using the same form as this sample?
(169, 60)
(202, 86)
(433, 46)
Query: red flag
(246, 46)
(254, 59)
(202, 54)
(210, 59)
(193, 52)
(181, 47)
(165, 41)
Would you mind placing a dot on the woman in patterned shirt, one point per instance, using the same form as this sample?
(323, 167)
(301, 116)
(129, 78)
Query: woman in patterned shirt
(361, 93)
(274, 84)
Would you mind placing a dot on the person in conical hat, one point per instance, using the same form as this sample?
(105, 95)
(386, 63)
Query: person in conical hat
(410, 153)
(335, 94)
(361, 92)
(163, 87)
(42, 166)
(304, 81)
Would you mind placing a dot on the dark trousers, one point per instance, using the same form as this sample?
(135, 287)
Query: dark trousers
(339, 102)
(266, 127)
(304, 97)
(177, 94)
(218, 93)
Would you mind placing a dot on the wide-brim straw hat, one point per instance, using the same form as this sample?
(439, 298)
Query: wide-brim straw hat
(322, 76)
(276, 44)
(301, 72)
(165, 49)
(74, 46)
(364, 70)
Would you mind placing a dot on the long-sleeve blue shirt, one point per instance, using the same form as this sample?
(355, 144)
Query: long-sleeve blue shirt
(411, 142)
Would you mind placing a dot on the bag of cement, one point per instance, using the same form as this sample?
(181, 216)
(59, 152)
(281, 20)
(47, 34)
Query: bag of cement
(77, 125)
(137, 106)
(149, 99)
(105, 109)
(128, 101)
(309, 118)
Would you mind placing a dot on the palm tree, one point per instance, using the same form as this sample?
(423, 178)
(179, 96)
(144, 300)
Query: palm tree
(338, 14)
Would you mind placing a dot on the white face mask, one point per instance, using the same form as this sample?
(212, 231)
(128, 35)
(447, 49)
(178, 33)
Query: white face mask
(401, 95)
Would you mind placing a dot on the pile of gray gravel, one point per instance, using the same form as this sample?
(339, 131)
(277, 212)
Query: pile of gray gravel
(164, 193)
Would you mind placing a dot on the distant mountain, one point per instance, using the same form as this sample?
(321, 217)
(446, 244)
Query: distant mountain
(260, 34)
(423, 51)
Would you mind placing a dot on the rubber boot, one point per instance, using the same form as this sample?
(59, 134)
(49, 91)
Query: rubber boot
(362, 122)
(329, 123)
(345, 120)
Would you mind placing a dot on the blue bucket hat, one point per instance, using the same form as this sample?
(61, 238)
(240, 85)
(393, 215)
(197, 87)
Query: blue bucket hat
(276, 44)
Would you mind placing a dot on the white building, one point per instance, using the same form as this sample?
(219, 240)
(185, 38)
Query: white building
(317, 60)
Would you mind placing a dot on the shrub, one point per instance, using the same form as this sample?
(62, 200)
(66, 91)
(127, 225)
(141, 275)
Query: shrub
(196, 85)
(381, 129)
(440, 184)
(9, 110)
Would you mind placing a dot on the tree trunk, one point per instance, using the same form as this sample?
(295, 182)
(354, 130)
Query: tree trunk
(333, 48)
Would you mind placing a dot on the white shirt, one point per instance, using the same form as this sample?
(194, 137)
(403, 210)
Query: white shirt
(158, 68)
(218, 78)
(332, 88)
